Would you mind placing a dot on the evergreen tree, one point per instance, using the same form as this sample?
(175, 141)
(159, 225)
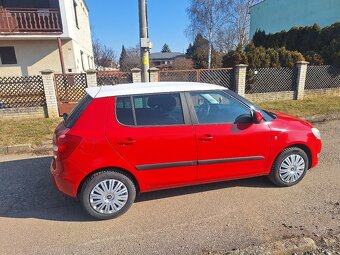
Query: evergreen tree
(198, 51)
(166, 48)
(122, 60)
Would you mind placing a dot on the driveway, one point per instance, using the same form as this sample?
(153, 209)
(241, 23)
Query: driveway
(36, 219)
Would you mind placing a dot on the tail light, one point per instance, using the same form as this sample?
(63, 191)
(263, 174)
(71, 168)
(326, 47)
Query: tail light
(65, 145)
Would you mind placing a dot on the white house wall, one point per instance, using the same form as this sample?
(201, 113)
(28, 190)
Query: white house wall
(34, 56)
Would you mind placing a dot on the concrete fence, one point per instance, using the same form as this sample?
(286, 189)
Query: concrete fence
(43, 95)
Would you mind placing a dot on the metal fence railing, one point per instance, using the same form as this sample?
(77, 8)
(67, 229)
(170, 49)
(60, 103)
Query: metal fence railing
(113, 78)
(23, 20)
(27, 91)
(264, 80)
(218, 76)
(322, 77)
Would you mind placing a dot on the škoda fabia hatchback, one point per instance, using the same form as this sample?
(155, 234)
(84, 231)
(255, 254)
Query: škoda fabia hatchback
(125, 139)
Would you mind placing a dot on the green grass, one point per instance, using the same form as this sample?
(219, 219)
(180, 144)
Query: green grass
(37, 131)
(34, 131)
(305, 108)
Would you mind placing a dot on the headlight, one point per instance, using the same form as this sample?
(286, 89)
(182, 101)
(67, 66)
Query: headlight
(317, 133)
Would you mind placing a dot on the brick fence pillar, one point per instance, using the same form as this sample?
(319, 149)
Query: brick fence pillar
(50, 93)
(240, 79)
(91, 78)
(154, 74)
(136, 75)
(301, 79)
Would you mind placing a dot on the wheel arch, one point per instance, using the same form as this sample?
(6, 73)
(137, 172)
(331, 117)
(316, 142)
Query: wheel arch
(301, 146)
(113, 169)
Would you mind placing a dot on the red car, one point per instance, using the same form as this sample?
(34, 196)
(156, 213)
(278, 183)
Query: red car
(126, 139)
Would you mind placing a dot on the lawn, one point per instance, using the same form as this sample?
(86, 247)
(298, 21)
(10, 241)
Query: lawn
(305, 108)
(38, 131)
(34, 131)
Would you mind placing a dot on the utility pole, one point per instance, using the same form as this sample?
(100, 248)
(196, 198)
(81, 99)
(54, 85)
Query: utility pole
(145, 44)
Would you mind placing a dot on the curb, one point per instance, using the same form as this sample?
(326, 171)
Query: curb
(285, 247)
(322, 118)
(25, 148)
(14, 149)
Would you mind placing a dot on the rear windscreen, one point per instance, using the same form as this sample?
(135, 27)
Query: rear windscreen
(77, 111)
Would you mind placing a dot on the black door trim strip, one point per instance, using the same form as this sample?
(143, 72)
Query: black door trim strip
(228, 160)
(166, 165)
(194, 163)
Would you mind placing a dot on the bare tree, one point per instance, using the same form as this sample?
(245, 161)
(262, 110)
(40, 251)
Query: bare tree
(235, 32)
(225, 40)
(131, 59)
(240, 20)
(224, 23)
(104, 56)
(207, 17)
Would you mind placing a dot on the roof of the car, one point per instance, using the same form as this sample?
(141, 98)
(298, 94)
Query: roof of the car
(148, 88)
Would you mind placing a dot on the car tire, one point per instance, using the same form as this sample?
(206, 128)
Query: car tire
(107, 194)
(289, 167)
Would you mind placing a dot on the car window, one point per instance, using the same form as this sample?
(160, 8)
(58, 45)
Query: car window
(124, 111)
(150, 110)
(217, 107)
(162, 109)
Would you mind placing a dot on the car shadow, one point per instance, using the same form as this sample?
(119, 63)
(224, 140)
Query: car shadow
(27, 191)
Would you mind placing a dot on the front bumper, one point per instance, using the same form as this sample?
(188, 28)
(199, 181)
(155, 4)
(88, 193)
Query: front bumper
(316, 150)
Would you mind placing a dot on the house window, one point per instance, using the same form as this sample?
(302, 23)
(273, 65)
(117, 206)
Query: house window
(82, 60)
(7, 56)
(89, 61)
(75, 13)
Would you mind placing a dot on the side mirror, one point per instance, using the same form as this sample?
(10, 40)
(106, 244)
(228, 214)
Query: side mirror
(257, 116)
(244, 119)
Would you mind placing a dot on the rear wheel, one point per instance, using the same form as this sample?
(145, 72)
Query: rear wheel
(289, 168)
(107, 194)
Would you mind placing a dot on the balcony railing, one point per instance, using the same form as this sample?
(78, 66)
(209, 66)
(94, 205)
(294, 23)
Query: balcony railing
(31, 21)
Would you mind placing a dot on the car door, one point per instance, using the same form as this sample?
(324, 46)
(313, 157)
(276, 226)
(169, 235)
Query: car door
(227, 147)
(154, 134)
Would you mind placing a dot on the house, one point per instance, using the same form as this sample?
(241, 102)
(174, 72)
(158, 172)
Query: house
(276, 15)
(44, 34)
(164, 59)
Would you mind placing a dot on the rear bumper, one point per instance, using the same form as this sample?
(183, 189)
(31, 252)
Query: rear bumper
(62, 183)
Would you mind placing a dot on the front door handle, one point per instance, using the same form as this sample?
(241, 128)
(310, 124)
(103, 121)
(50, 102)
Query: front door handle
(127, 141)
(206, 138)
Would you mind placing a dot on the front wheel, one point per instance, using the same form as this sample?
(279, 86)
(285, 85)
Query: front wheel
(107, 194)
(289, 167)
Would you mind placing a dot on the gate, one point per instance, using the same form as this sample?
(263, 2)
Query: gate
(70, 89)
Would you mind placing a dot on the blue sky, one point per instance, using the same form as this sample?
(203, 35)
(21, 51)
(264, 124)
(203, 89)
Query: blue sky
(115, 22)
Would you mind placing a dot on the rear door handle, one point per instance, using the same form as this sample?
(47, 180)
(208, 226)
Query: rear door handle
(206, 138)
(127, 141)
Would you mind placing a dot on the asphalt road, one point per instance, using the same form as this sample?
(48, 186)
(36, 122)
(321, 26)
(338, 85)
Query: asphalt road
(36, 219)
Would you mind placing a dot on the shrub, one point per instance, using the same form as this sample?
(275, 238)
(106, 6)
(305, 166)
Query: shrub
(259, 57)
(324, 43)
(233, 58)
(314, 58)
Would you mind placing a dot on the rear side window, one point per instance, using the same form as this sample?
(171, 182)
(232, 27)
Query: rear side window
(150, 110)
(77, 111)
(124, 111)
